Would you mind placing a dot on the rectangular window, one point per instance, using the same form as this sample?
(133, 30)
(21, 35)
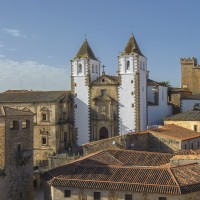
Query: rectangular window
(131, 81)
(132, 105)
(97, 195)
(26, 124)
(128, 196)
(14, 125)
(44, 140)
(132, 93)
(195, 128)
(162, 198)
(67, 193)
(44, 117)
(19, 147)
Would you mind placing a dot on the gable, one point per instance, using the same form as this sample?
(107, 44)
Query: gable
(106, 80)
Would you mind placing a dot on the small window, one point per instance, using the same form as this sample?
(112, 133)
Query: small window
(192, 146)
(185, 146)
(140, 65)
(44, 140)
(195, 127)
(96, 69)
(132, 93)
(162, 198)
(131, 81)
(127, 65)
(97, 195)
(128, 196)
(67, 193)
(14, 125)
(92, 68)
(75, 106)
(79, 68)
(143, 66)
(26, 124)
(103, 80)
(132, 105)
(44, 117)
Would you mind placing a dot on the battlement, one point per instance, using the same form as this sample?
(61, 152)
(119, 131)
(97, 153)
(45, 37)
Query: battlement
(188, 61)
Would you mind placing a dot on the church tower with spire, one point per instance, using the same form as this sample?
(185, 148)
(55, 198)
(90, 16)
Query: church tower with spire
(132, 69)
(85, 68)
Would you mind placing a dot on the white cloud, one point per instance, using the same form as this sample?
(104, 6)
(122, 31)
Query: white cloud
(13, 32)
(2, 56)
(32, 75)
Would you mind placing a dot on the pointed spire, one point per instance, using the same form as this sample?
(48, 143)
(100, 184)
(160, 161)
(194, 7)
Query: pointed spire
(132, 46)
(85, 51)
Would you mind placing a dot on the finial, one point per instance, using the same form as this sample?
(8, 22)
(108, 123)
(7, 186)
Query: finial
(103, 72)
(85, 36)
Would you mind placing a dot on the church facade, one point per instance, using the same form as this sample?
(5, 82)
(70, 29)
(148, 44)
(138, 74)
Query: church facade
(105, 106)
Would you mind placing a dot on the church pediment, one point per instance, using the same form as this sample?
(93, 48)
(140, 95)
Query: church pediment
(103, 98)
(106, 80)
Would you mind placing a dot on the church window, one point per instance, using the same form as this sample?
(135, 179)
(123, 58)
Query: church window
(44, 140)
(143, 66)
(92, 68)
(103, 92)
(44, 117)
(127, 65)
(131, 81)
(97, 195)
(132, 93)
(132, 105)
(79, 68)
(67, 193)
(128, 196)
(96, 69)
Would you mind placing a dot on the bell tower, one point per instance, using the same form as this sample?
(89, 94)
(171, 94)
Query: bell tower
(132, 69)
(85, 68)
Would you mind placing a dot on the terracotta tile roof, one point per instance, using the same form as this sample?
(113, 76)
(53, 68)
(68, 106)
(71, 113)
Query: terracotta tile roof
(104, 170)
(188, 152)
(176, 132)
(6, 111)
(31, 96)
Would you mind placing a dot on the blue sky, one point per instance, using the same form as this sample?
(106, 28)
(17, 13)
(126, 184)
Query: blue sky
(39, 37)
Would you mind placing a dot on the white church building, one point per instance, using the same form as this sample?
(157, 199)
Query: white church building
(141, 102)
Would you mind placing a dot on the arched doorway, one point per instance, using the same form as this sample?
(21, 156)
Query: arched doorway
(103, 133)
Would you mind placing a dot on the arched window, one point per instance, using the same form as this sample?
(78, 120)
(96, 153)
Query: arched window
(79, 68)
(127, 65)
(103, 133)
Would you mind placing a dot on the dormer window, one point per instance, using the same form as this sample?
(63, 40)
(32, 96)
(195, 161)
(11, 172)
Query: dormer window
(128, 65)
(79, 68)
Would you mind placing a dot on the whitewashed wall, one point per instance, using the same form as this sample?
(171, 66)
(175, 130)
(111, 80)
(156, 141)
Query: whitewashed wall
(188, 104)
(157, 113)
(150, 94)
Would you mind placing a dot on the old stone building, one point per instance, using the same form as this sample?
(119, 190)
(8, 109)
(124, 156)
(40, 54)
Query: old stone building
(16, 154)
(53, 127)
(124, 174)
(189, 119)
(106, 106)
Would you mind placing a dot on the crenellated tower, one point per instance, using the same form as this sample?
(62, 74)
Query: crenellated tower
(85, 68)
(132, 69)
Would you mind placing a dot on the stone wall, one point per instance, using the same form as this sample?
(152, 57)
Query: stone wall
(161, 143)
(19, 160)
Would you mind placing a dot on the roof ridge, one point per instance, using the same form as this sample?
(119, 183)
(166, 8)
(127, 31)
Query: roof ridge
(174, 178)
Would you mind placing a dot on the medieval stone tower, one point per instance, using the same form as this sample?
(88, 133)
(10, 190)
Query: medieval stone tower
(85, 68)
(132, 69)
(190, 75)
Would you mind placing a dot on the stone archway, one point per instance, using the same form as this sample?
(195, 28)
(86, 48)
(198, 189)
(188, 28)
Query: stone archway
(103, 133)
